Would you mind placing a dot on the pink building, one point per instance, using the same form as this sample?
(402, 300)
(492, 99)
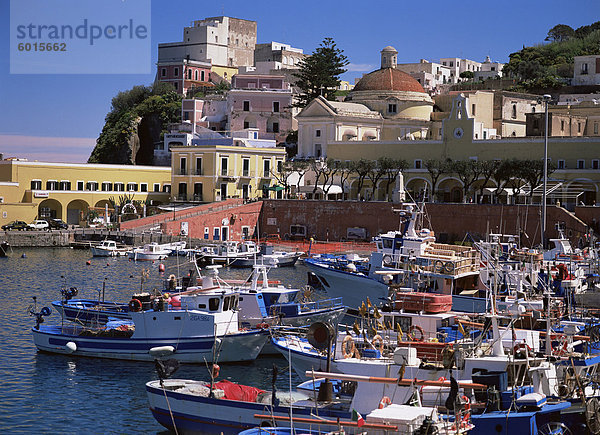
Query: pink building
(262, 102)
(185, 74)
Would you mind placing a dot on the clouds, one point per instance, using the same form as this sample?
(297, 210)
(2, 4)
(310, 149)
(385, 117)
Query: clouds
(360, 67)
(47, 149)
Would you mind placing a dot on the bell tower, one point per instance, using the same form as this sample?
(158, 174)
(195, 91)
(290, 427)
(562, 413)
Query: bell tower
(389, 57)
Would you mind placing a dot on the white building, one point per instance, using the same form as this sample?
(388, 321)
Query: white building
(222, 41)
(429, 74)
(489, 70)
(586, 71)
(458, 65)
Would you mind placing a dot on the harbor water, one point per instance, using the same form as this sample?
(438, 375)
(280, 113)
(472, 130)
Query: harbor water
(45, 393)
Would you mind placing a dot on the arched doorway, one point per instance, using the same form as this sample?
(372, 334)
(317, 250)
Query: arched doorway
(416, 188)
(76, 211)
(51, 209)
(449, 190)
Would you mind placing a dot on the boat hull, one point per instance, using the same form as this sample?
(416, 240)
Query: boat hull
(195, 414)
(286, 261)
(239, 347)
(352, 288)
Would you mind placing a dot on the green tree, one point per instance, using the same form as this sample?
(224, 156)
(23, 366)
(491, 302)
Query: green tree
(488, 169)
(436, 169)
(319, 73)
(467, 75)
(362, 168)
(392, 169)
(560, 32)
(468, 171)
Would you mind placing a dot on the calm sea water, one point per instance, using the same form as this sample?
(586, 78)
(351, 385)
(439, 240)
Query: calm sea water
(45, 393)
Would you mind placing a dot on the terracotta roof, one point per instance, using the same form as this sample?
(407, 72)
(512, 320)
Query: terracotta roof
(388, 79)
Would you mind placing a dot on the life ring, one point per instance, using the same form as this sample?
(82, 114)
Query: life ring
(522, 348)
(465, 418)
(386, 260)
(135, 305)
(262, 326)
(439, 265)
(417, 328)
(215, 370)
(385, 401)
(442, 379)
(449, 267)
(379, 345)
(563, 346)
(348, 347)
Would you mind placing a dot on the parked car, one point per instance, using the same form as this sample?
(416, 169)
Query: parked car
(39, 224)
(58, 224)
(16, 225)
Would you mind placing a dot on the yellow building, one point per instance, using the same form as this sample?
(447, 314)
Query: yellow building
(37, 190)
(577, 177)
(215, 169)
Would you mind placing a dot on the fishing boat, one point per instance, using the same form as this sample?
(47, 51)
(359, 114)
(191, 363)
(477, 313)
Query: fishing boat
(409, 257)
(226, 252)
(5, 248)
(270, 257)
(150, 252)
(204, 325)
(109, 248)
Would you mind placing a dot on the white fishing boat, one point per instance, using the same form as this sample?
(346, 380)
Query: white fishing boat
(109, 248)
(226, 252)
(150, 252)
(204, 327)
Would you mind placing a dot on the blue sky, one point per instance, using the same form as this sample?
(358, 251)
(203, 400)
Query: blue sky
(36, 109)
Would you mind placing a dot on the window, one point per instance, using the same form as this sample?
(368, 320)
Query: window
(143, 187)
(182, 189)
(216, 233)
(595, 164)
(246, 107)
(132, 187)
(318, 150)
(36, 184)
(562, 125)
(186, 115)
(473, 107)
(317, 133)
(275, 127)
(163, 72)
(451, 63)
(182, 166)
(196, 75)
(579, 127)
(275, 106)
(189, 71)
(201, 76)
(584, 68)
(206, 233)
(514, 111)
(245, 167)
(213, 304)
(176, 72)
(198, 165)
(418, 164)
(80, 185)
(51, 185)
(580, 164)
(91, 186)
(560, 164)
(246, 125)
(197, 191)
(106, 186)
(119, 187)
(176, 85)
(392, 108)
(156, 187)
(266, 168)
(166, 188)
(224, 165)
(595, 128)
(279, 165)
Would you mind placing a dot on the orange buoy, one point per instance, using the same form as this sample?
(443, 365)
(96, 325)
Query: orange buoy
(88, 262)
(161, 267)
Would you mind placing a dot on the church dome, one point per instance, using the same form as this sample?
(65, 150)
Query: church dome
(388, 79)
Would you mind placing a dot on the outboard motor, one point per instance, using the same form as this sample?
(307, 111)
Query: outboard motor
(39, 317)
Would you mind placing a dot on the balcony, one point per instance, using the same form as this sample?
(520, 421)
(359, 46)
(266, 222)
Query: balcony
(198, 197)
(199, 171)
(228, 175)
(182, 197)
(182, 171)
(246, 173)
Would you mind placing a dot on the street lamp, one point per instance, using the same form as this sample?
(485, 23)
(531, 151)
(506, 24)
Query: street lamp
(545, 99)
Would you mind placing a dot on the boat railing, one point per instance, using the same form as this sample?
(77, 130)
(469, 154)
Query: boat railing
(321, 304)
(436, 264)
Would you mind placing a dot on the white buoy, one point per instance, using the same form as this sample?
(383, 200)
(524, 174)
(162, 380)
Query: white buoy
(71, 347)
(160, 351)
